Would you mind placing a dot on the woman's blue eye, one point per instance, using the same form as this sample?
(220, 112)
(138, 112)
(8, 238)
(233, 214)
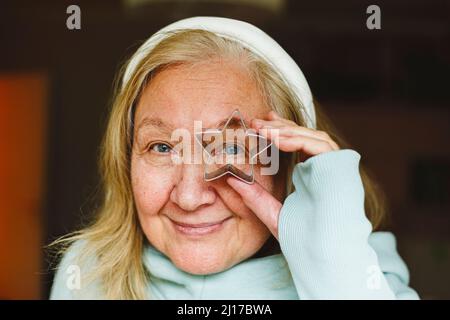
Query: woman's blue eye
(232, 149)
(161, 148)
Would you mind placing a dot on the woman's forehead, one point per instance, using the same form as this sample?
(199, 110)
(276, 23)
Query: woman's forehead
(176, 99)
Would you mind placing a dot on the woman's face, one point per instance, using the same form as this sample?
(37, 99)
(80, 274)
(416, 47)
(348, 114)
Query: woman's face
(203, 227)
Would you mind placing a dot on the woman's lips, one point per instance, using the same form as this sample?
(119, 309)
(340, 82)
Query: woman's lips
(198, 229)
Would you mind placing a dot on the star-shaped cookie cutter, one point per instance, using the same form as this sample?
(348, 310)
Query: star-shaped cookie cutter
(229, 168)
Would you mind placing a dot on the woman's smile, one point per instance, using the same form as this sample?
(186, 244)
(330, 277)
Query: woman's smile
(198, 229)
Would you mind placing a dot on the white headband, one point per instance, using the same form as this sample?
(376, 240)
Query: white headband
(248, 36)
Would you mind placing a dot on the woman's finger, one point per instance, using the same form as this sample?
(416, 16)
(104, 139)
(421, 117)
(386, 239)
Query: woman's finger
(303, 144)
(265, 206)
(300, 143)
(275, 116)
(260, 123)
(289, 129)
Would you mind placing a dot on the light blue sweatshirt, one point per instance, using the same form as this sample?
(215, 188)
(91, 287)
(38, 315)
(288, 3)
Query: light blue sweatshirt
(328, 249)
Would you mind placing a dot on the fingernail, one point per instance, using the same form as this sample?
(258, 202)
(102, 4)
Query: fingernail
(235, 182)
(230, 181)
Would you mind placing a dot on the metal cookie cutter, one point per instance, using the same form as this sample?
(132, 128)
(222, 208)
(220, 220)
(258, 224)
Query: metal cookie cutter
(245, 146)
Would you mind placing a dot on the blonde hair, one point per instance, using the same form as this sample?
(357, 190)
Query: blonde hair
(115, 237)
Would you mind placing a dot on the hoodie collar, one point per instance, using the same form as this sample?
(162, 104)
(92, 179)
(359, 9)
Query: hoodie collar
(256, 278)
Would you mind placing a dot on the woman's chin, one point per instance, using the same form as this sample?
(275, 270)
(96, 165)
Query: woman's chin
(201, 269)
(202, 262)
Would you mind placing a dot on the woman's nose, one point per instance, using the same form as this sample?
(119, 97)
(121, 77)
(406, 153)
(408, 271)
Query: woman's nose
(191, 191)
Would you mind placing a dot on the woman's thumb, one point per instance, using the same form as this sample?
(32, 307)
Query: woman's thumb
(264, 205)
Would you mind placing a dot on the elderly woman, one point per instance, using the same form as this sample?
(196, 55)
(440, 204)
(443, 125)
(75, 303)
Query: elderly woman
(165, 232)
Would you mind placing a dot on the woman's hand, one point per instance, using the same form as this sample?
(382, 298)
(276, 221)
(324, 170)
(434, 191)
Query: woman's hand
(288, 137)
(292, 137)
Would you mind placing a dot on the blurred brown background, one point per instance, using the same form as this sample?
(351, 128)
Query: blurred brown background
(386, 90)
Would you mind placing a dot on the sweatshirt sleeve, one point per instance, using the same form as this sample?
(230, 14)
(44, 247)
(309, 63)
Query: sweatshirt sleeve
(327, 239)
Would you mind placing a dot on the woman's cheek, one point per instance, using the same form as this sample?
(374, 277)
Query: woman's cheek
(151, 188)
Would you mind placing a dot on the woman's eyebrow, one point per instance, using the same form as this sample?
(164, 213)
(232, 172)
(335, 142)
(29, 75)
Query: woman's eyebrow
(156, 123)
(160, 125)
